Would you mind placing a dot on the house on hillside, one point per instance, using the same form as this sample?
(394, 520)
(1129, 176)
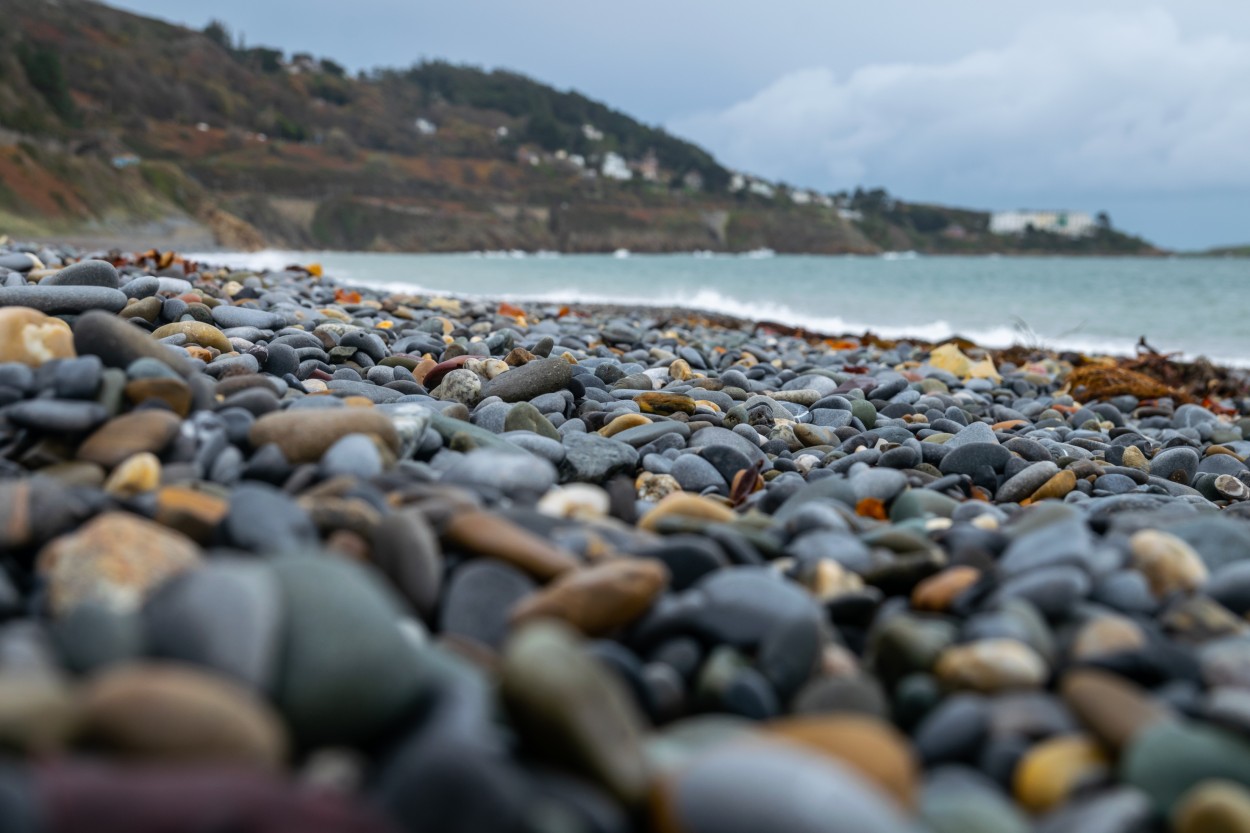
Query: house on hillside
(649, 167)
(615, 167)
(1066, 223)
(592, 133)
(425, 127)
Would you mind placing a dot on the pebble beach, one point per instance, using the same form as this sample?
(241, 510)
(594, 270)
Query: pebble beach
(281, 553)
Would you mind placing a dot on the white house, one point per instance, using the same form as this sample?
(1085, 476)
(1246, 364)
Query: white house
(592, 133)
(800, 197)
(1066, 223)
(426, 127)
(762, 189)
(615, 167)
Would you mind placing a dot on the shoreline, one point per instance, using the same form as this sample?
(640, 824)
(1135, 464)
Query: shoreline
(597, 563)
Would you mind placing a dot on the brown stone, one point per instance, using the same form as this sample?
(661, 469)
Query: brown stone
(872, 747)
(173, 392)
(146, 308)
(205, 335)
(1056, 487)
(1168, 563)
(658, 402)
(115, 559)
(172, 714)
(599, 599)
(1052, 771)
(1107, 635)
(494, 536)
(305, 435)
(129, 434)
(1111, 707)
(991, 665)
(193, 512)
(686, 505)
(937, 592)
(30, 337)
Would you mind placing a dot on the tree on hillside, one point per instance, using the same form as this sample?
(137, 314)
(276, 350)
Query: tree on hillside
(218, 33)
(44, 72)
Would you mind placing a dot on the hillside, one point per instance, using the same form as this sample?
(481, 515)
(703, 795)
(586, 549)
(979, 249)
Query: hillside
(119, 127)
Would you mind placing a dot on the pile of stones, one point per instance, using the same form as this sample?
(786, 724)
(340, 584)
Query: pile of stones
(279, 553)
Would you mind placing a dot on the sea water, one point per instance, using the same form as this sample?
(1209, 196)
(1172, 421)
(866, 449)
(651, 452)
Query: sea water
(1194, 306)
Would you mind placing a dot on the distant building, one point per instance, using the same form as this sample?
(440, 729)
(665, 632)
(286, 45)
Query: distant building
(851, 214)
(125, 160)
(649, 167)
(762, 189)
(426, 127)
(501, 132)
(1067, 223)
(592, 133)
(693, 180)
(737, 182)
(615, 167)
(800, 197)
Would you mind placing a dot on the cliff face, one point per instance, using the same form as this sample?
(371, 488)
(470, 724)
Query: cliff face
(117, 127)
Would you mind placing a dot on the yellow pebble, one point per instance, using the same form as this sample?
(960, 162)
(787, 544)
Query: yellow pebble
(1050, 771)
(136, 474)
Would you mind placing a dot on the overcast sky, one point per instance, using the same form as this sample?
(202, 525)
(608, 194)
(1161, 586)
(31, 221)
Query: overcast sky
(1139, 109)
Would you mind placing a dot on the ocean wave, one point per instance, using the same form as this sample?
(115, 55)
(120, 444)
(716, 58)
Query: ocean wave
(715, 301)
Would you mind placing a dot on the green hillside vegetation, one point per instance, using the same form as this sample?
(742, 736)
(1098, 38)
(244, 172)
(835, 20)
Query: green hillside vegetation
(113, 121)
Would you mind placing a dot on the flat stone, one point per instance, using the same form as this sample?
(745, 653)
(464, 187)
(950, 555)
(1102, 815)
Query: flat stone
(60, 416)
(494, 536)
(530, 380)
(590, 458)
(227, 316)
(163, 714)
(600, 599)
(63, 300)
(305, 435)
(517, 475)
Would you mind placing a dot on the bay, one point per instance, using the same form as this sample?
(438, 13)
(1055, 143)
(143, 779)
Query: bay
(1195, 306)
